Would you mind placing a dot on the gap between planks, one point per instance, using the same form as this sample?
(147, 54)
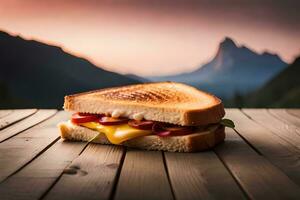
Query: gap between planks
(20, 150)
(294, 112)
(32, 120)
(4, 113)
(279, 152)
(92, 175)
(201, 175)
(15, 116)
(259, 178)
(285, 116)
(145, 173)
(41, 173)
(285, 131)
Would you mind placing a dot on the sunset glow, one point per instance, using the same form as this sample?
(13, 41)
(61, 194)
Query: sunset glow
(148, 39)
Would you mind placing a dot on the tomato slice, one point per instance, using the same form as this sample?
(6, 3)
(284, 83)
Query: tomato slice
(164, 133)
(164, 129)
(78, 118)
(109, 121)
(143, 125)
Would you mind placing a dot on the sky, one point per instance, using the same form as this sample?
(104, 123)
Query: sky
(155, 37)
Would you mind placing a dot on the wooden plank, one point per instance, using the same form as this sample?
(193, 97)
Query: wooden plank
(21, 149)
(200, 176)
(295, 112)
(285, 116)
(39, 175)
(28, 122)
(143, 176)
(14, 116)
(4, 113)
(91, 176)
(277, 151)
(259, 178)
(287, 132)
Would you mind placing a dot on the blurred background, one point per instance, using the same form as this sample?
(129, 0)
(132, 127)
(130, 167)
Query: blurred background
(243, 51)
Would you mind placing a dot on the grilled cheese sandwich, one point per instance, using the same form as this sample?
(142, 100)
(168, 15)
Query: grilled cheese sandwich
(154, 116)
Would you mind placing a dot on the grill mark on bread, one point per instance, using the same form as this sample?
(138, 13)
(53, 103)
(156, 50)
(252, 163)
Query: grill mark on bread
(136, 96)
(154, 95)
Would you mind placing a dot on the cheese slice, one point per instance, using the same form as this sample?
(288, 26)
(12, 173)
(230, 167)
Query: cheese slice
(117, 134)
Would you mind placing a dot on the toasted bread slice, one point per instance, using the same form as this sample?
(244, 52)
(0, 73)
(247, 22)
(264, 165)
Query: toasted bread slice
(169, 102)
(197, 141)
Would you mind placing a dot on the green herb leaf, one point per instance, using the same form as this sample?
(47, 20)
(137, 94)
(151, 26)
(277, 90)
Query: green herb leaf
(228, 123)
(93, 138)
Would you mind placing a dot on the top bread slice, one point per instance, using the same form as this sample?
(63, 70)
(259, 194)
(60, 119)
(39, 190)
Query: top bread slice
(169, 102)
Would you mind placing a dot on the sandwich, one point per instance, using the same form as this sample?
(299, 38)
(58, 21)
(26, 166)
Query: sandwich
(165, 116)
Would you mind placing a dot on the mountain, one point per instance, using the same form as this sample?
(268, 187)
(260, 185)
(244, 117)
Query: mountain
(281, 91)
(138, 78)
(234, 69)
(34, 74)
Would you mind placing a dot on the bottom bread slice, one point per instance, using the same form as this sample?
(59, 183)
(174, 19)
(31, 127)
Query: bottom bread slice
(197, 141)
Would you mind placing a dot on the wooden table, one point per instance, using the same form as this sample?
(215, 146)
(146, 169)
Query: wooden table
(258, 160)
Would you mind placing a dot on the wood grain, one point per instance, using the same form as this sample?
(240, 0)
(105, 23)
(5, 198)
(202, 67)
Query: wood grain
(15, 116)
(200, 176)
(277, 151)
(285, 116)
(21, 149)
(26, 123)
(286, 131)
(90, 176)
(295, 112)
(143, 176)
(4, 113)
(39, 175)
(261, 161)
(258, 177)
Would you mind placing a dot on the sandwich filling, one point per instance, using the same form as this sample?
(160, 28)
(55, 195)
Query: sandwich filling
(118, 130)
(116, 134)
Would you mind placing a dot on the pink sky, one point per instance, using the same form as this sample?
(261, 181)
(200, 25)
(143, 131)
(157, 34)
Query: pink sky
(157, 38)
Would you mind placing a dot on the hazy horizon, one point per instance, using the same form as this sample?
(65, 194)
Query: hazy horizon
(158, 38)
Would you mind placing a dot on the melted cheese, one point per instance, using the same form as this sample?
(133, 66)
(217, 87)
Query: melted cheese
(118, 133)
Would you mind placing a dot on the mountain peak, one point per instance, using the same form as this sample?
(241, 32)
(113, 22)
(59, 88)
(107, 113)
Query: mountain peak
(226, 48)
(4, 34)
(228, 43)
(267, 53)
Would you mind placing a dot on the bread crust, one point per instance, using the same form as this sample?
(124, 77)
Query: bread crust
(198, 141)
(187, 106)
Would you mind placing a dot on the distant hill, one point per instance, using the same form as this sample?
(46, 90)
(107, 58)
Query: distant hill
(282, 91)
(34, 74)
(234, 69)
(138, 78)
